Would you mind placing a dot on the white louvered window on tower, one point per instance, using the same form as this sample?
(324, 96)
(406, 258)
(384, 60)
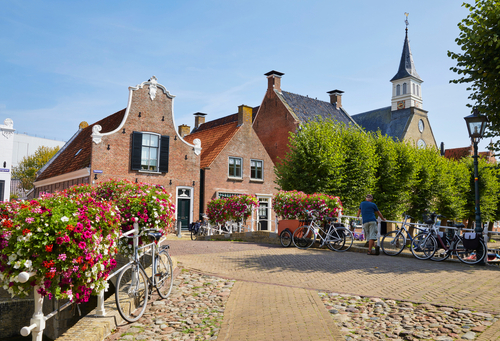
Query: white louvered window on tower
(404, 88)
(414, 89)
(398, 90)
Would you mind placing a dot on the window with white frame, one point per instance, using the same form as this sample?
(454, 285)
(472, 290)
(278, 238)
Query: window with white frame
(257, 169)
(398, 90)
(149, 152)
(235, 167)
(404, 88)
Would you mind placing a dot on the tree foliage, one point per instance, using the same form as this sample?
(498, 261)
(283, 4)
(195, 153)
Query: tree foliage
(29, 165)
(478, 65)
(328, 157)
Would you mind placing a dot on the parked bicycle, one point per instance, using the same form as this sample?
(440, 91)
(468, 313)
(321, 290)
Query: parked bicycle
(394, 242)
(133, 284)
(199, 228)
(468, 250)
(305, 236)
(424, 244)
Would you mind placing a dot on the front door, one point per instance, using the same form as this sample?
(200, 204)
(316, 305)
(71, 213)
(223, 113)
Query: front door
(2, 190)
(263, 214)
(184, 206)
(183, 212)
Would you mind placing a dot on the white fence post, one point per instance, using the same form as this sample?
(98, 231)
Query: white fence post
(100, 311)
(38, 319)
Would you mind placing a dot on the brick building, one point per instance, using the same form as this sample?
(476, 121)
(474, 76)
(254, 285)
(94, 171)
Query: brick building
(234, 161)
(282, 112)
(139, 143)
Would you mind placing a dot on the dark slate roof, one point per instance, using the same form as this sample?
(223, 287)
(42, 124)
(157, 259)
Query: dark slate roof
(306, 108)
(390, 123)
(406, 65)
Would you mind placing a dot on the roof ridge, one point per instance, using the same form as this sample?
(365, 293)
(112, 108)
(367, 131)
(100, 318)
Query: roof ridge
(314, 99)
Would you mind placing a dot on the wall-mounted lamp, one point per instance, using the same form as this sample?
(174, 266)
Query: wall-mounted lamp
(139, 114)
(175, 137)
(108, 147)
(170, 182)
(123, 132)
(194, 183)
(185, 157)
(5, 164)
(135, 180)
(163, 118)
(95, 176)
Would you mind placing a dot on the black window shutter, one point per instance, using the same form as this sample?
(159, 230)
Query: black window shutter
(136, 150)
(164, 151)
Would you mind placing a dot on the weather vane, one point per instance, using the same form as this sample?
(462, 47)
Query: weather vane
(406, 21)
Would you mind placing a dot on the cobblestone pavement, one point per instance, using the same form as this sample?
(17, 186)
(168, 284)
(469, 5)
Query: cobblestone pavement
(275, 296)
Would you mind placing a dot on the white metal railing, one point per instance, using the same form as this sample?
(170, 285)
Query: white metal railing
(37, 322)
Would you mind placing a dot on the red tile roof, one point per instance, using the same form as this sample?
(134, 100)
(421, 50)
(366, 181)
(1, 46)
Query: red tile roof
(214, 136)
(458, 153)
(75, 155)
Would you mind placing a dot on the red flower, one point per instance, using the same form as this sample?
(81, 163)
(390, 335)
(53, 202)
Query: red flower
(26, 231)
(48, 248)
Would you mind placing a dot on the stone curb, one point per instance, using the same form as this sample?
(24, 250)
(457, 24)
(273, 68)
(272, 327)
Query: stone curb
(97, 328)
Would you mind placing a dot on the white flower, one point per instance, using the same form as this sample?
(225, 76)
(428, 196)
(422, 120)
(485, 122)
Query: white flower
(92, 286)
(17, 265)
(12, 257)
(65, 219)
(106, 286)
(88, 274)
(28, 264)
(39, 229)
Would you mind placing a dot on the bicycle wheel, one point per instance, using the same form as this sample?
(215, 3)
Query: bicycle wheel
(393, 243)
(441, 254)
(286, 238)
(193, 235)
(470, 256)
(132, 292)
(164, 274)
(335, 240)
(423, 246)
(303, 237)
(349, 239)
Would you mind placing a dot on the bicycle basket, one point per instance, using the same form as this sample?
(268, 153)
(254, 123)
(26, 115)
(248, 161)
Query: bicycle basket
(471, 240)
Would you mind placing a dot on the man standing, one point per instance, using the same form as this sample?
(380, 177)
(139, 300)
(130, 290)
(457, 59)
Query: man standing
(367, 209)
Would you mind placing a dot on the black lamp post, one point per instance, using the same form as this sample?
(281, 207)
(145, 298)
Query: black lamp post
(476, 125)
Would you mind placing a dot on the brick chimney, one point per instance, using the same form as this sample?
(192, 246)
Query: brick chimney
(245, 115)
(336, 98)
(184, 130)
(199, 119)
(274, 80)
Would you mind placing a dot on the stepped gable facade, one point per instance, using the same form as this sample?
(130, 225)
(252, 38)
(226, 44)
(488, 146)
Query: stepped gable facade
(404, 120)
(234, 161)
(282, 112)
(139, 143)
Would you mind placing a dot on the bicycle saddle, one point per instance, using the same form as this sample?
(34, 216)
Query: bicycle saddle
(155, 236)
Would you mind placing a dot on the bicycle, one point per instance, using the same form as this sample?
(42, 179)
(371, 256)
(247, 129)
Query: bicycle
(286, 238)
(133, 284)
(465, 250)
(339, 228)
(394, 242)
(424, 244)
(201, 230)
(305, 236)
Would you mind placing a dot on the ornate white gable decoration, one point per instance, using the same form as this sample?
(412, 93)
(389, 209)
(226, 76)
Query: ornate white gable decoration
(153, 87)
(197, 146)
(7, 128)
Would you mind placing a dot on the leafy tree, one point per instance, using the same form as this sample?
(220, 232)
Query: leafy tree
(453, 185)
(328, 157)
(395, 175)
(29, 165)
(489, 186)
(479, 63)
(425, 189)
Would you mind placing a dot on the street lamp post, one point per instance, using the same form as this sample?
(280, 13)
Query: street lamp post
(476, 125)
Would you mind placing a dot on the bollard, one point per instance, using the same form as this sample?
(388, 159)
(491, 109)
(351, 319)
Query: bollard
(179, 229)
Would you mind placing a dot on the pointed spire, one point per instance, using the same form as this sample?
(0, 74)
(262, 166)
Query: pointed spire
(406, 65)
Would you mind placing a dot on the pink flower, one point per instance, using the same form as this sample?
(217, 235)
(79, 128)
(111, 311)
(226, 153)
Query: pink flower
(29, 220)
(62, 256)
(82, 245)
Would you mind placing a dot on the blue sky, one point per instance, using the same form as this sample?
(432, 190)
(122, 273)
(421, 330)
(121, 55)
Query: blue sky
(63, 62)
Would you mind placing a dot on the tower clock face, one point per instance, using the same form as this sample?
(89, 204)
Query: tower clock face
(421, 126)
(401, 105)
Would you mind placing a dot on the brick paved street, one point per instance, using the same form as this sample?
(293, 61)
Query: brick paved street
(273, 282)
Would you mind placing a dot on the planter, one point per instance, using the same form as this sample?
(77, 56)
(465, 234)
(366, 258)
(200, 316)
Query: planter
(292, 225)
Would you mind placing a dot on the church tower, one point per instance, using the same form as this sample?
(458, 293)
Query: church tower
(406, 84)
